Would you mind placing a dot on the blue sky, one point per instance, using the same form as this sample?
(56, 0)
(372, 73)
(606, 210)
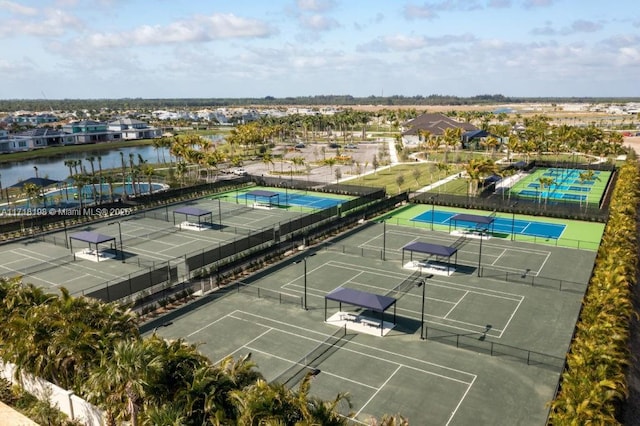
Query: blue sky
(205, 48)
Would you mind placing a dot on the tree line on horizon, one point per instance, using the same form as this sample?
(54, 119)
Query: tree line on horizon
(11, 105)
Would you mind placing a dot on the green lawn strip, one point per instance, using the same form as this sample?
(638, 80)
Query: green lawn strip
(577, 234)
(387, 178)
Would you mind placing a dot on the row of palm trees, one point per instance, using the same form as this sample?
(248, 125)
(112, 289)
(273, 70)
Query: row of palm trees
(594, 384)
(95, 350)
(535, 136)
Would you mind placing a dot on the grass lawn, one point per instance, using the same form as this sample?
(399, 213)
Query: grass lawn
(426, 174)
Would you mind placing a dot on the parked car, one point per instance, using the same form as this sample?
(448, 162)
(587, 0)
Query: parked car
(300, 145)
(351, 146)
(334, 145)
(240, 172)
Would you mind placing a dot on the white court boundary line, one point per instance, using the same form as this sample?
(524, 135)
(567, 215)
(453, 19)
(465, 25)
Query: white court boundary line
(399, 365)
(446, 322)
(74, 266)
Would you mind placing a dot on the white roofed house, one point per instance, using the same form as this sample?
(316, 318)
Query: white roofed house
(31, 139)
(134, 129)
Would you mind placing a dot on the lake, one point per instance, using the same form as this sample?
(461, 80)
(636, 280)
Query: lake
(54, 168)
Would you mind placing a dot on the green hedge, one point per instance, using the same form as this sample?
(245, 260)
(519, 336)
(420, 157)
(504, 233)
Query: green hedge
(594, 385)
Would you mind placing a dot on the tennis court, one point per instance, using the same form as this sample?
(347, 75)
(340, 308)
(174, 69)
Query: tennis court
(562, 184)
(142, 243)
(572, 233)
(500, 224)
(288, 198)
(427, 381)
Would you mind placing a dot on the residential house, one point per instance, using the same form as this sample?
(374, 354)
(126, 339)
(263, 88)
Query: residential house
(43, 137)
(435, 124)
(35, 120)
(130, 128)
(89, 131)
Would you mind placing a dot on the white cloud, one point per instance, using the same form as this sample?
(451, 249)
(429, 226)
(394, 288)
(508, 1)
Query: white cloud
(197, 29)
(404, 43)
(315, 5)
(498, 4)
(18, 9)
(318, 22)
(429, 10)
(54, 22)
(531, 4)
(578, 26)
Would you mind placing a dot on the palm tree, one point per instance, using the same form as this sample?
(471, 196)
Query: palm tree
(545, 182)
(32, 191)
(297, 161)
(69, 164)
(148, 171)
(121, 381)
(99, 158)
(492, 143)
(451, 137)
(331, 162)
(80, 181)
(124, 176)
(475, 170)
(267, 159)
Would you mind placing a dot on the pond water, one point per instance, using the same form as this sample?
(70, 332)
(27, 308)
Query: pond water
(67, 196)
(54, 168)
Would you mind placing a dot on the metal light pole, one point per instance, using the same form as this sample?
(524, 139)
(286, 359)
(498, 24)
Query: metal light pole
(480, 254)
(433, 202)
(120, 235)
(384, 239)
(513, 220)
(305, 283)
(304, 260)
(424, 286)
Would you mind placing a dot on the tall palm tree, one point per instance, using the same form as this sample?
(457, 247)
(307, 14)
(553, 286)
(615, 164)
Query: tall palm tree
(124, 175)
(69, 164)
(148, 171)
(121, 381)
(99, 158)
(491, 142)
(80, 181)
(110, 180)
(545, 183)
(475, 170)
(451, 138)
(32, 192)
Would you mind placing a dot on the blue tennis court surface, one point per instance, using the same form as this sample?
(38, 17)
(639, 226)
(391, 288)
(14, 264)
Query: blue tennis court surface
(294, 199)
(500, 225)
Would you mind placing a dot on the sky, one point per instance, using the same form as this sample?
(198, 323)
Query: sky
(93, 49)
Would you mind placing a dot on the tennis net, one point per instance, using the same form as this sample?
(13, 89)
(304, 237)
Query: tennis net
(150, 236)
(310, 362)
(407, 284)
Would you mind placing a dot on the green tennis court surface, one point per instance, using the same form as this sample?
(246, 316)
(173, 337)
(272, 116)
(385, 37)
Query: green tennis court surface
(563, 184)
(572, 233)
(494, 350)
